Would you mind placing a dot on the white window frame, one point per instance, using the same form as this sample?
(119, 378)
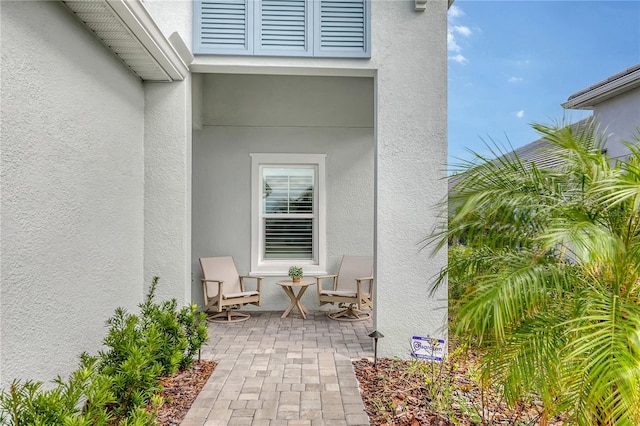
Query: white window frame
(261, 266)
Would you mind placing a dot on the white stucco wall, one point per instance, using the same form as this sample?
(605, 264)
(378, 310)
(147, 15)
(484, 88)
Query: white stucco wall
(72, 190)
(167, 183)
(409, 66)
(246, 114)
(619, 117)
(172, 16)
(411, 170)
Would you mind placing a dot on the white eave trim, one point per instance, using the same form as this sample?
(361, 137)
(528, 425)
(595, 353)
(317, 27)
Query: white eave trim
(156, 58)
(136, 17)
(599, 94)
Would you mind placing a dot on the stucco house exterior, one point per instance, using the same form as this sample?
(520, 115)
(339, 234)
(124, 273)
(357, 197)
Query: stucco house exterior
(615, 102)
(132, 132)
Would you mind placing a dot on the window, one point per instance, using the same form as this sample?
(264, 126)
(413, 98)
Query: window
(320, 28)
(288, 213)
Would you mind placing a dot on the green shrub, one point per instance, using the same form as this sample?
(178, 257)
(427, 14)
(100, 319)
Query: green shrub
(195, 327)
(28, 404)
(182, 333)
(147, 347)
(161, 320)
(117, 386)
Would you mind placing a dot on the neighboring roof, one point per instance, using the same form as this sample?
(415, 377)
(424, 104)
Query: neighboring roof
(539, 152)
(127, 29)
(615, 85)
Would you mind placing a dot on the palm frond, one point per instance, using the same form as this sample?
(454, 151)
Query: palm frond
(551, 263)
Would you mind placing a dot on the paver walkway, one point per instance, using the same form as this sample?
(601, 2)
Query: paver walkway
(283, 372)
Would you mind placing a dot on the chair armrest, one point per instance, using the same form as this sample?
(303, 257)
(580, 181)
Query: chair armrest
(220, 283)
(319, 277)
(359, 283)
(258, 282)
(219, 296)
(361, 295)
(319, 280)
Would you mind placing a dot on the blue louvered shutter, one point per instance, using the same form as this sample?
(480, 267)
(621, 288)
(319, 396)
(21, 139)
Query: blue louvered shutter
(283, 27)
(223, 27)
(342, 28)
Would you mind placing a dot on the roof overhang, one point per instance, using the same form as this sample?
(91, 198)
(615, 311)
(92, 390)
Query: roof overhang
(600, 92)
(129, 31)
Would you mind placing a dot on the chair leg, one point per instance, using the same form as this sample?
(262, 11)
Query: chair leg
(227, 316)
(351, 313)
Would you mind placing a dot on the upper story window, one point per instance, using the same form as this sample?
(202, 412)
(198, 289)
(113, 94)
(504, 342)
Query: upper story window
(320, 28)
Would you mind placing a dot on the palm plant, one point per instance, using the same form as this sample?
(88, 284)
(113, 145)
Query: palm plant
(552, 274)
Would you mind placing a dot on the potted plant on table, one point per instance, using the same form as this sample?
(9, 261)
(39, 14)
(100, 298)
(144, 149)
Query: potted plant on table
(295, 272)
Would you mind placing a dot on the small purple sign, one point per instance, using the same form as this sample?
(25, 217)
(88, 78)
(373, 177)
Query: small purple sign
(427, 348)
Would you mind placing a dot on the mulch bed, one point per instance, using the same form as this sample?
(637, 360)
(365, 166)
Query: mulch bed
(418, 393)
(395, 393)
(181, 389)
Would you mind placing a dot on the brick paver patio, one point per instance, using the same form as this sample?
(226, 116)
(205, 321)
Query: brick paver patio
(283, 372)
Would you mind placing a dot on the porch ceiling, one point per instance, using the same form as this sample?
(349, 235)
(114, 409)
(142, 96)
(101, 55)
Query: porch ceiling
(127, 29)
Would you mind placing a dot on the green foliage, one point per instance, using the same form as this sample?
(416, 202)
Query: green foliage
(460, 279)
(161, 321)
(295, 272)
(117, 386)
(195, 327)
(28, 404)
(550, 266)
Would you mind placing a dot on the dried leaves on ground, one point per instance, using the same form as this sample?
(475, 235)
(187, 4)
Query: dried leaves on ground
(395, 393)
(181, 389)
(419, 393)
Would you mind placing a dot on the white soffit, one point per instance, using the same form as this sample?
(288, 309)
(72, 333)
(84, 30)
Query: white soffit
(128, 30)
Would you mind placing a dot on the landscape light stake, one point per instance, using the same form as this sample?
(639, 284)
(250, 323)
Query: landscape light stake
(376, 335)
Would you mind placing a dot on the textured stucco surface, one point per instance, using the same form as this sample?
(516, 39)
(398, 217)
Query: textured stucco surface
(252, 113)
(409, 68)
(96, 172)
(172, 16)
(167, 201)
(619, 118)
(72, 190)
(411, 162)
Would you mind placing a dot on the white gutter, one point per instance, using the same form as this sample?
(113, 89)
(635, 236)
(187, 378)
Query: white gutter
(129, 31)
(602, 92)
(137, 18)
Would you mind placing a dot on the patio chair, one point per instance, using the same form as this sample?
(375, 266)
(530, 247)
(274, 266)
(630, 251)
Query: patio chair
(224, 291)
(352, 289)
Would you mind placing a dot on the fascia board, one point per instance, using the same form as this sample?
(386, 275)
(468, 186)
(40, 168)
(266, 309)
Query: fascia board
(137, 18)
(608, 90)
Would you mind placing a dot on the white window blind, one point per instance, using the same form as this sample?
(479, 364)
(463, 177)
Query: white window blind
(288, 212)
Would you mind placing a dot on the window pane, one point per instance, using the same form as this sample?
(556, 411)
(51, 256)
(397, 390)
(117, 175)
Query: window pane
(287, 238)
(288, 190)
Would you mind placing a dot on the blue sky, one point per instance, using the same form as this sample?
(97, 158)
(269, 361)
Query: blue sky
(512, 63)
